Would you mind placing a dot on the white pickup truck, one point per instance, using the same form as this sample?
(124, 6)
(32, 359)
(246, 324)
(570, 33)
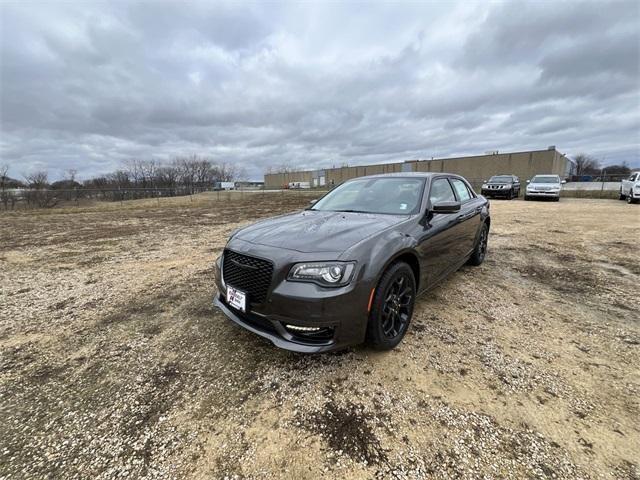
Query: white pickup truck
(630, 188)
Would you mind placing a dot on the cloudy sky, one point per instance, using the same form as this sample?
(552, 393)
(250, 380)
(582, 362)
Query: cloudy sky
(88, 85)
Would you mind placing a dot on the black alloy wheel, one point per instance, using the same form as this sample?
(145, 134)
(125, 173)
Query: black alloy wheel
(477, 257)
(392, 307)
(396, 309)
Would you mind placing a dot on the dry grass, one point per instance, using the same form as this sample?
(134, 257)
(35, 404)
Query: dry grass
(113, 361)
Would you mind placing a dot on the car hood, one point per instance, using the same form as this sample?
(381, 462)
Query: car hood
(316, 231)
(544, 185)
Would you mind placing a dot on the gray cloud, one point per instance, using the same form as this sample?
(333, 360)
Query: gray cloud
(87, 86)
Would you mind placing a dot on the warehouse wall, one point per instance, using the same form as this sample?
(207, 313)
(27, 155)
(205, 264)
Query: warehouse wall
(481, 167)
(476, 168)
(279, 180)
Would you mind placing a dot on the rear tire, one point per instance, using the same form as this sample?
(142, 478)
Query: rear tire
(392, 307)
(480, 251)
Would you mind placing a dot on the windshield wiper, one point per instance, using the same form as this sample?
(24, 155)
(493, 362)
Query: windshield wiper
(352, 211)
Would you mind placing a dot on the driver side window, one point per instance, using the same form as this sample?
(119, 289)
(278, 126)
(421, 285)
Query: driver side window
(441, 191)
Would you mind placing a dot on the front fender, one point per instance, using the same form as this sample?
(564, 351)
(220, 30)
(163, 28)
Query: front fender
(377, 253)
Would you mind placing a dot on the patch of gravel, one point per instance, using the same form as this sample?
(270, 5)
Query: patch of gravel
(114, 364)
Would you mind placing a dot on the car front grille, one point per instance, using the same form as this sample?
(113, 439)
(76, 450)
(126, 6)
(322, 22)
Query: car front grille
(250, 274)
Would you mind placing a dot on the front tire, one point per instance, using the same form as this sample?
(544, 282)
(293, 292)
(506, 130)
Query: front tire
(392, 307)
(477, 257)
(630, 198)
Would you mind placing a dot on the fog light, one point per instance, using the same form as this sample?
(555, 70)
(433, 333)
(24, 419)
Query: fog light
(302, 329)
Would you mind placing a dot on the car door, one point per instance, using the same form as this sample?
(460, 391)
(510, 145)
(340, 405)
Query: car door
(439, 236)
(469, 216)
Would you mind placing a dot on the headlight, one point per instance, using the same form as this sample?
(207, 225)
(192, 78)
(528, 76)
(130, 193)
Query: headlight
(637, 187)
(326, 274)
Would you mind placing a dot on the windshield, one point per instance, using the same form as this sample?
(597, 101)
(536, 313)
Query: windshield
(545, 179)
(501, 178)
(396, 196)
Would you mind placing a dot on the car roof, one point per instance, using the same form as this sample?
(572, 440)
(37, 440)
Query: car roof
(406, 175)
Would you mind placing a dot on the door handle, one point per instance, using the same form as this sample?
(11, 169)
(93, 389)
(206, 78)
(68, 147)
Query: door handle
(464, 216)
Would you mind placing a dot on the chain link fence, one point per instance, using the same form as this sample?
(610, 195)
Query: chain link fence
(26, 199)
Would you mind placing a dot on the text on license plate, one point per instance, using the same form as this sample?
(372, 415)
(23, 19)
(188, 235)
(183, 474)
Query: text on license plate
(237, 299)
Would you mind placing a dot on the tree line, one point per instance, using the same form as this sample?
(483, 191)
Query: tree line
(588, 165)
(179, 176)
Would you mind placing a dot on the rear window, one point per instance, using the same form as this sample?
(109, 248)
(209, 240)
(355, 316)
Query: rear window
(461, 189)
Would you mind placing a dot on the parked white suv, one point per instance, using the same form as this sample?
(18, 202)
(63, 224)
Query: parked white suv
(544, 186)
(630, 188)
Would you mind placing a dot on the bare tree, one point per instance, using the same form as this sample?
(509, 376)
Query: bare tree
(39, 194)
(4, 169)
(282, 168)
(586, 165)
(71, 175)
(226, 172)
(119, 179)
(38, 180)
(187, 171)
(5, 196)
(167, 177)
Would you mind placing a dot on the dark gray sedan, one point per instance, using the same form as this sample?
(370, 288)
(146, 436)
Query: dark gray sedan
(349, 268)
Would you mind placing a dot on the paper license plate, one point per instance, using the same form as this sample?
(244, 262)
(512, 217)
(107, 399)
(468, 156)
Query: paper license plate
(237, 299)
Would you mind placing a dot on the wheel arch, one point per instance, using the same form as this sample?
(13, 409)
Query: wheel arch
(407, 256)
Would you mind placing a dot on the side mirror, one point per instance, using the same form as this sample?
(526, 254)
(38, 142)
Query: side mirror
(563, 181)
(445, 207)
(528, 181)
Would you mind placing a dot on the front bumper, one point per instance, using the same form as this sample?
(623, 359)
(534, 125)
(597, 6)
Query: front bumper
(490, 192)
(542, 194)
(341, 313)
(276, 333)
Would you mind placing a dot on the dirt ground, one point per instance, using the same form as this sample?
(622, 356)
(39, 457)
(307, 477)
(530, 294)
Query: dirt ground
(114, 363)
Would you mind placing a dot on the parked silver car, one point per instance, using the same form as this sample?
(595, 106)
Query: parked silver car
(630, 188)
(544, 186)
